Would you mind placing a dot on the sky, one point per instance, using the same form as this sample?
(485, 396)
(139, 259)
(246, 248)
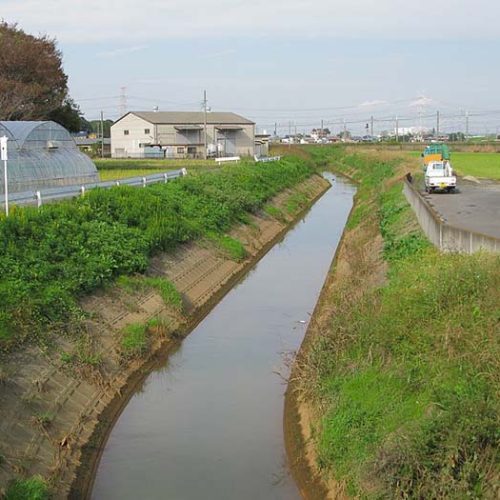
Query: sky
(293, 63)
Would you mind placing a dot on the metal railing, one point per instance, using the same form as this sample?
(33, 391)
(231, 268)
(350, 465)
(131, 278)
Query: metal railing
(42, 196)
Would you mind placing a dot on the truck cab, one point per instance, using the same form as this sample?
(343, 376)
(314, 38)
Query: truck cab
(439, 176)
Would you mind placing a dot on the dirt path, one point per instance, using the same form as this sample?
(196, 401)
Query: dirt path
(58, 403)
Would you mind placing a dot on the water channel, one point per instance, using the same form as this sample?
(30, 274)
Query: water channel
(209, 424)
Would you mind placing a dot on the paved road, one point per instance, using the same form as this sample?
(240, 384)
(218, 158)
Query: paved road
(475, 207)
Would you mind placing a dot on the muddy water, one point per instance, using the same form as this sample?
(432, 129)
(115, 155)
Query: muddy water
(208, 424)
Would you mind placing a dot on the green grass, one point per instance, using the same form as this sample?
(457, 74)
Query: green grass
(477, 164)
(34, 488)
(50, 257)
(231, 247)
(485, 165)
(164, 287)
(134, 340)
(406, 377)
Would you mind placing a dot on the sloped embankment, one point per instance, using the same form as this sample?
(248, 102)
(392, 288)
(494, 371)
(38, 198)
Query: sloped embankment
(394, 393)
(60, 397)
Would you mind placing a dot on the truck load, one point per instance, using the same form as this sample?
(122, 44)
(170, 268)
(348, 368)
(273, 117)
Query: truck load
(435, 152)
(439, 176)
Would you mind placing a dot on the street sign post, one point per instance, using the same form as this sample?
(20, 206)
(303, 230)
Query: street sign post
(4, 158)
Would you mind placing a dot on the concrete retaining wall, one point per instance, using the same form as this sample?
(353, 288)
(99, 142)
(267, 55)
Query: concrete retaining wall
(445, 237)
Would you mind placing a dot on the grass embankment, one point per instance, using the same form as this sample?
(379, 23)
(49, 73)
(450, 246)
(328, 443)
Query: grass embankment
(52, 256)
(113, 169)
(485, 165)
(405, 377)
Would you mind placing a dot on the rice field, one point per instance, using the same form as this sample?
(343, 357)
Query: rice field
(115, 174)
(485, 165)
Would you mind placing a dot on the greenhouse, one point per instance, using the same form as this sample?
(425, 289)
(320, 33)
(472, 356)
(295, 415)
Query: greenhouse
(43, 154)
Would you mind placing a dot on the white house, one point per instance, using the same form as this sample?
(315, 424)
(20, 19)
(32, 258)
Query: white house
(180, 134)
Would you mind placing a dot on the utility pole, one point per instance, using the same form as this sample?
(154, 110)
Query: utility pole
(466, 125)
(345, 130)
(397, 129)
(371, 126)
(321, 128)
(102, 134)
(4, 157)
(275, 129)
(437, 125)
(205, 124)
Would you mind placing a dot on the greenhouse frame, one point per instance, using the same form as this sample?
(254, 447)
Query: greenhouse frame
(43, 154)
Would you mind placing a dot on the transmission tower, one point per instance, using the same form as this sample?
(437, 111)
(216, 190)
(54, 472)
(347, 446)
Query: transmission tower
(122, 108)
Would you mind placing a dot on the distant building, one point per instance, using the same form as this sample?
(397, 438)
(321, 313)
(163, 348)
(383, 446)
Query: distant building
(179, 134)
(262, 144)
(92, 145)
(43, 154)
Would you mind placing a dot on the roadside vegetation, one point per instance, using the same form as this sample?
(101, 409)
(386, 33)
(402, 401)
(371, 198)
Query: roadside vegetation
(405, 376)
(52, 256)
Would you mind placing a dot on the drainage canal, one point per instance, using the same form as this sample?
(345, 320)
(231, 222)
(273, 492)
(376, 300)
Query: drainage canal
(208, 424)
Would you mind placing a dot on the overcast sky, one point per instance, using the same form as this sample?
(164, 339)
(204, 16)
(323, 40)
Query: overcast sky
(292, 61)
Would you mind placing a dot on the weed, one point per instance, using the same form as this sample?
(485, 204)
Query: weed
(134, 340)
(34, 488)
(43, 419)
(231, 247)
(274, 212)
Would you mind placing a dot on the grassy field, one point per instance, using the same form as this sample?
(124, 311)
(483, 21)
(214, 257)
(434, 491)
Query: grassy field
(116, 173)
(485, 165)
(114, 169)
(406, 377)
(124, 164)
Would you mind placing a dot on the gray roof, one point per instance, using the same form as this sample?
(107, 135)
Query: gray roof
(87, 141)
(189, 117)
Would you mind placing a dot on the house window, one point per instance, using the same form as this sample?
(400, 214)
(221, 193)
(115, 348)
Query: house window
(125, 132)
(180, 151)
(147, 131)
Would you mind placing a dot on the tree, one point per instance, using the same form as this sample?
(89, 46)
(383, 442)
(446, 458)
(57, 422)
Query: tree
(69, 116)
(32, 81)
(96, 127)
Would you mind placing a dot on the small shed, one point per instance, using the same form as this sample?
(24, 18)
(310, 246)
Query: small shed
(43, 154)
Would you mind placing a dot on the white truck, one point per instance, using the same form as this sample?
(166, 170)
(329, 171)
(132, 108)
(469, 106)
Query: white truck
(439, 176)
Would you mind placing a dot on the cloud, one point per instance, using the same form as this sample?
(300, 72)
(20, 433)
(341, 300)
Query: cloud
(84, 21)
(121, 51)
(371, 104)
(421, 101)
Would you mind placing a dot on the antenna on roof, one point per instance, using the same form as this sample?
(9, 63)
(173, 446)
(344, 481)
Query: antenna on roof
(155, 109)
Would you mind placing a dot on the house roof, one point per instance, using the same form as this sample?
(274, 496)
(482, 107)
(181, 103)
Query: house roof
(189, 117)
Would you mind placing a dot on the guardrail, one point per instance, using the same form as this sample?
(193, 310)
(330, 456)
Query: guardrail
(58, 193)
(442, 235)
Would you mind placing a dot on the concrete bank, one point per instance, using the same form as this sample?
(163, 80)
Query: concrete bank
(446, 237)
(55, 415)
